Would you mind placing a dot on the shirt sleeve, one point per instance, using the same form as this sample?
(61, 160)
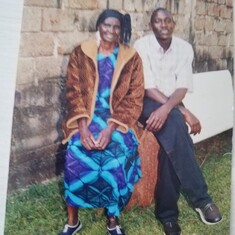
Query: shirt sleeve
(184, 71)
(142, 49)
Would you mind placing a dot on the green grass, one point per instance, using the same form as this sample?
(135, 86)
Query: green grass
(40, 210)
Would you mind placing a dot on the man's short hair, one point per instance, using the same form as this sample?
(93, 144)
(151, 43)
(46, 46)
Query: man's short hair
(160, 9)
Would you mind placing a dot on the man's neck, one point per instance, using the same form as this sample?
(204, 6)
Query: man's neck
(164, 43)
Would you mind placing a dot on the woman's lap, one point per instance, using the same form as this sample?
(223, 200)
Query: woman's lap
(102, 178)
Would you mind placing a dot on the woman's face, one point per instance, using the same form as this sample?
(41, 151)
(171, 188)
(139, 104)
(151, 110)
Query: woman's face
(110, 30)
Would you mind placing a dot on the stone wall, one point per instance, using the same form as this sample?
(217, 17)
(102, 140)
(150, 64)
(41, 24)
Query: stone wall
(51, 28)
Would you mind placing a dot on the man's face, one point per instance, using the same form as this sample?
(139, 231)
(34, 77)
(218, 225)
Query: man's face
(162, 25)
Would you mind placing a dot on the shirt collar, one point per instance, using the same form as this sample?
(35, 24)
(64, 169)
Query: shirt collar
(158, 47)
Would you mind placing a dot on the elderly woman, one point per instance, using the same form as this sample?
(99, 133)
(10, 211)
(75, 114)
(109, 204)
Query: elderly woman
(105, 89)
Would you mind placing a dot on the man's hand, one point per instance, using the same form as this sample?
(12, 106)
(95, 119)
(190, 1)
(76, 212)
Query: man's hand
(157, 118)
(192, 121)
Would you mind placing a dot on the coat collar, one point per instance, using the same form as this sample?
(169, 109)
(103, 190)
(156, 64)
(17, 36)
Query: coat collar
(125, 53)
(90, 49)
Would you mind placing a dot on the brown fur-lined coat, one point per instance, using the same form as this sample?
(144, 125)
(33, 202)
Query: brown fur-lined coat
(127, 88)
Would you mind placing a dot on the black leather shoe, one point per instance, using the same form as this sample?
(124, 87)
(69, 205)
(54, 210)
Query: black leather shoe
(209, 214)
(171, 228)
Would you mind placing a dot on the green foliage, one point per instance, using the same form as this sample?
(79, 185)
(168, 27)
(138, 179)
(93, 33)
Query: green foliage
(40, 210)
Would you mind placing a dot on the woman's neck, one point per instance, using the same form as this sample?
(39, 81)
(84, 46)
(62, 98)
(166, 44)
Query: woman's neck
(107, 48)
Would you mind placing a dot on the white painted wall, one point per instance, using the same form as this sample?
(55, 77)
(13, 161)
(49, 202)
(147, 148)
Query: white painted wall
(211, 102)
(10, 25)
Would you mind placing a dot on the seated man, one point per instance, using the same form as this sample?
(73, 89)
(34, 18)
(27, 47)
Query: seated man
(167, 62)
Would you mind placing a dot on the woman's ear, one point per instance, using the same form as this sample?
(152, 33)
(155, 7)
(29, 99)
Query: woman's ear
(97, 35)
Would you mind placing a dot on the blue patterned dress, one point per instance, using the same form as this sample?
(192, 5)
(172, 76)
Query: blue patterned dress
(102, 178)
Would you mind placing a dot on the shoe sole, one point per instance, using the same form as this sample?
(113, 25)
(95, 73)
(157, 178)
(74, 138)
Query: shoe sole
(122, 232)
(203, 219)
(165, 234)
(78, 228)
(108, 233)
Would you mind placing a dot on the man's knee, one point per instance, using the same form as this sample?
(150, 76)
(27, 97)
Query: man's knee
(177, 117)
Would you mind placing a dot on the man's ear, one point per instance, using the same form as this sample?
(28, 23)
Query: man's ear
(150, 25)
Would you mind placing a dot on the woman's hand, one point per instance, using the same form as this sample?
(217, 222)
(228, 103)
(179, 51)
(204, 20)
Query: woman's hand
(105, 136)
(87, 139)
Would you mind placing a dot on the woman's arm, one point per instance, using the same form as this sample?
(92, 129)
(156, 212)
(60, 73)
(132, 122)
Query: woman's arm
(86, 137)
(129, 109)
(76, 107)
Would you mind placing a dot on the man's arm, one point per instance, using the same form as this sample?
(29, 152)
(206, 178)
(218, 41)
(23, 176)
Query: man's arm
(191, 119)
(156, 95)
(176, 100)
(158, 118)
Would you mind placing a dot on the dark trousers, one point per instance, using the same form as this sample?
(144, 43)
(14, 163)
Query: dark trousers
(178, 168)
